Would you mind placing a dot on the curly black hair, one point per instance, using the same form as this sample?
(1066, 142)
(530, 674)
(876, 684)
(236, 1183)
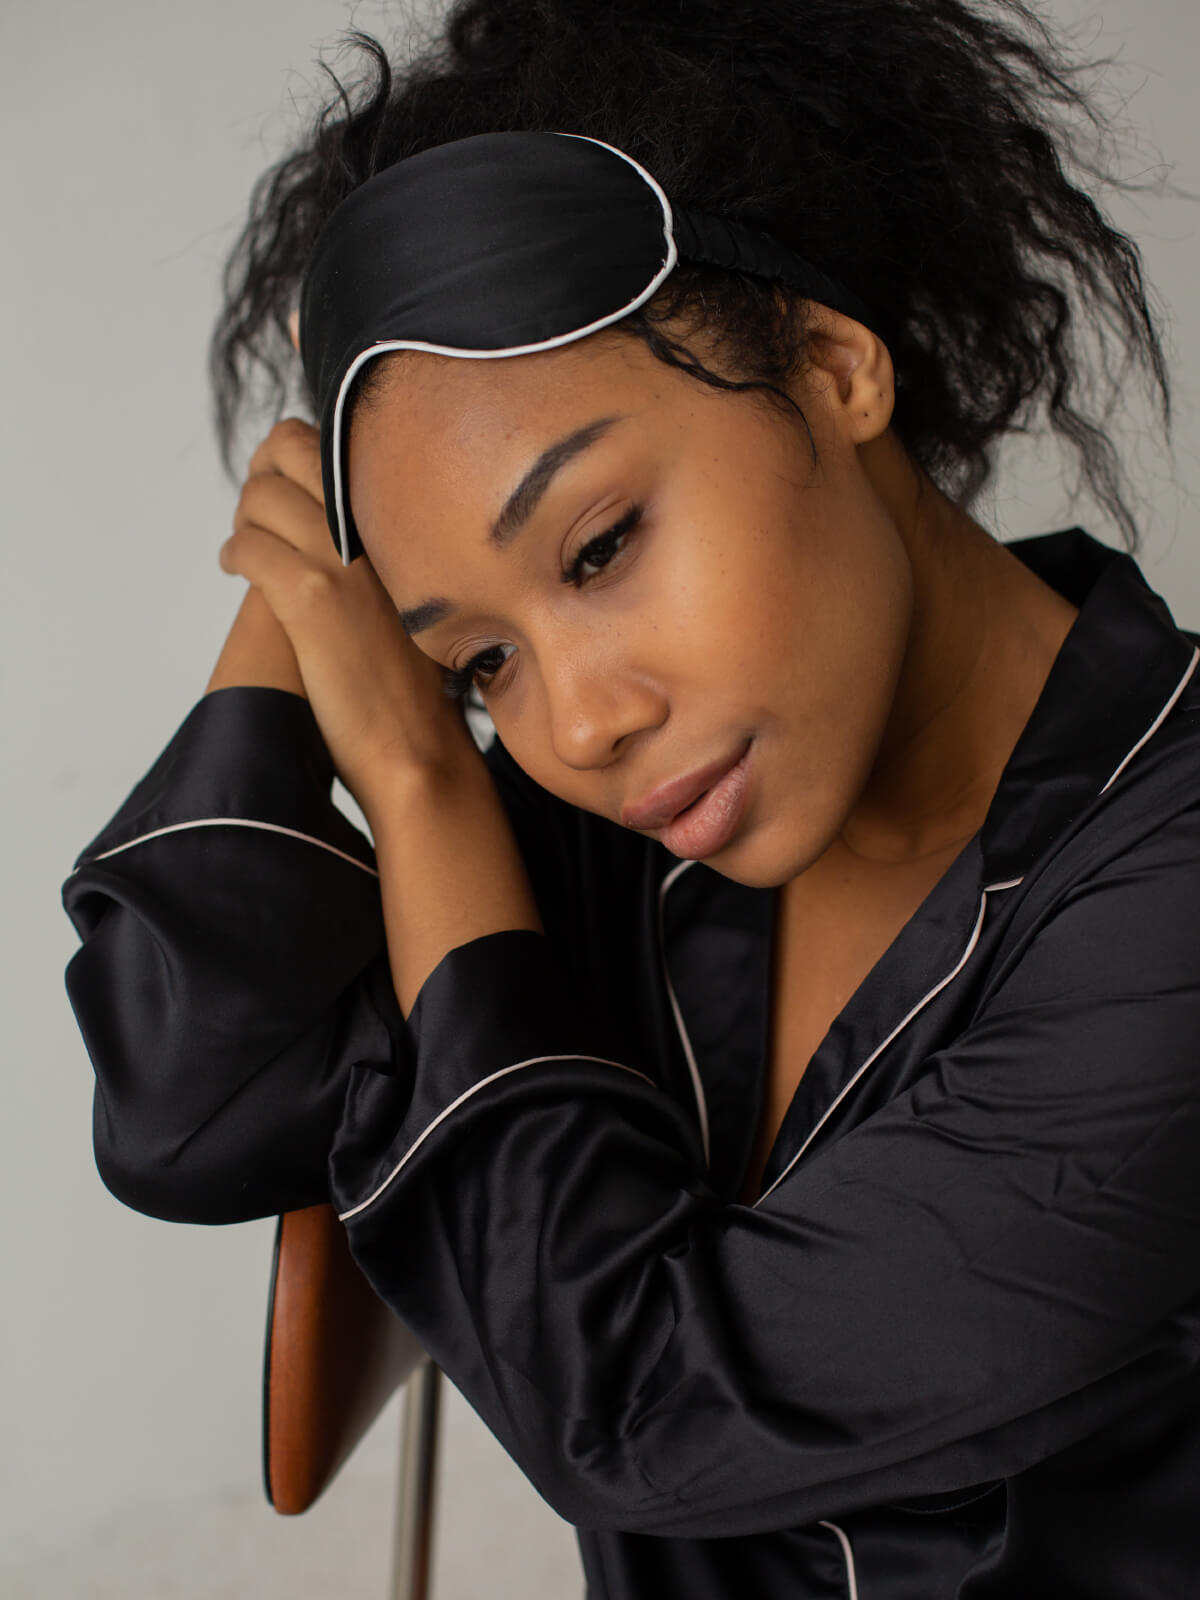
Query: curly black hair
(917, 150)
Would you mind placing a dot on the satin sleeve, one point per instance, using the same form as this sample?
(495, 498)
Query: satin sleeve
(233, 982)
(992, 1266)
(232, 967)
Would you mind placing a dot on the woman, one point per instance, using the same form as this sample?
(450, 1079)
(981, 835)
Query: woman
(764, 1078)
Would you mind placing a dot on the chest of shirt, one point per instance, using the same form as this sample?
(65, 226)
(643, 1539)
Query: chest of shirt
(679, 966)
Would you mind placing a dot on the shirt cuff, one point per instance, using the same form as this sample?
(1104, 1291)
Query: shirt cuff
(496, 1021)
(242, 755)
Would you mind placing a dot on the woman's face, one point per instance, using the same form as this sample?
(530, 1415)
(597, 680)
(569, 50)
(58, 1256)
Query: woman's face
(747, 597)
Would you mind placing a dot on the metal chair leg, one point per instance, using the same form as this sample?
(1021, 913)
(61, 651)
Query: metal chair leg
(413, 1551)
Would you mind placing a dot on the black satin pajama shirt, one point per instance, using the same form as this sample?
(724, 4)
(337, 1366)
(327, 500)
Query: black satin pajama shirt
(951, 1351)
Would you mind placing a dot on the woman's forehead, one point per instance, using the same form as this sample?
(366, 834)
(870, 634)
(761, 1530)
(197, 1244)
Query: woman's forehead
(608, 356)
(470, 446)
(421, 402)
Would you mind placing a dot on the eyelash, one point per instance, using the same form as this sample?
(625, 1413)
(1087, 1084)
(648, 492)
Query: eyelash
(458, 681)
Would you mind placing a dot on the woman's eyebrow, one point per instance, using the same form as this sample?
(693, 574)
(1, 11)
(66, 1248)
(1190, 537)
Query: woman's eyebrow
(523, 501)
(517, 509)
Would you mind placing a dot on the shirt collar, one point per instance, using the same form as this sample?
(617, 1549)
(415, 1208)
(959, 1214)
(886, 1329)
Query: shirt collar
(1122, 661)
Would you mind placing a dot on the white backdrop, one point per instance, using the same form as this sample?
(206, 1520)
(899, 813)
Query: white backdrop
(131, 1359)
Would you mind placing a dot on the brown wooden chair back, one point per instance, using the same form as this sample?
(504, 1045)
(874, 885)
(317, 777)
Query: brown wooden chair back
(334, 1356)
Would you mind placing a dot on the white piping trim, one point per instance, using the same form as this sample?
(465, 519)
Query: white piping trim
(697, 1085)
(230, 822)
(383, 345)
(880, 1048)
(466, 1095)
(1009, 883)
(1154, 726)
(848, 1558)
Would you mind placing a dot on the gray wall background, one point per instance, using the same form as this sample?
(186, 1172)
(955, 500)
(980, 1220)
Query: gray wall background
(131, 1358)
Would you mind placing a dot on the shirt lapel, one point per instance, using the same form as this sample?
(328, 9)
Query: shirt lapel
(1115, 677)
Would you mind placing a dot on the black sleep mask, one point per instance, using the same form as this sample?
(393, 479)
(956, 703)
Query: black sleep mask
(500, 245)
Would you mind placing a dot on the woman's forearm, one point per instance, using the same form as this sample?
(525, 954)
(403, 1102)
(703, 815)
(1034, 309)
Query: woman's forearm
(450, 869)
(257, 652)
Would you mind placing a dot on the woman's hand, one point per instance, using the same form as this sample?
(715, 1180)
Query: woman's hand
(449, 867)
(377, 699)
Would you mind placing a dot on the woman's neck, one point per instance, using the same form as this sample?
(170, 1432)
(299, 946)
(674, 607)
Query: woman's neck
(985, 633)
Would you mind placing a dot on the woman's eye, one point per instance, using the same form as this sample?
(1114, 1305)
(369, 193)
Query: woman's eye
(458, 681)
(597, 553)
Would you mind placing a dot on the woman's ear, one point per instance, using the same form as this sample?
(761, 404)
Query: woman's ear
(293, 322)
(853, 368)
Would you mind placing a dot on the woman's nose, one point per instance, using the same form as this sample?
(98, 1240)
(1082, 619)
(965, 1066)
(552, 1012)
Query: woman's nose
(595, 705)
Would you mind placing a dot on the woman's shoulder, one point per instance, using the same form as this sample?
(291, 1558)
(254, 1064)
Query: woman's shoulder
(1158, 784)
(1121, 882)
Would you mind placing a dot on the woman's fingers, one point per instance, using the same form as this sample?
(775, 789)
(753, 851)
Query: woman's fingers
(270, 500)
(293, 449)
(290, 582)
(377, 698)
(310, 597)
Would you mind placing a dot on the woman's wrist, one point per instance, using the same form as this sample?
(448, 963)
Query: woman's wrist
(413, 791)
(414, 759)
(450, 867)
(257, 652)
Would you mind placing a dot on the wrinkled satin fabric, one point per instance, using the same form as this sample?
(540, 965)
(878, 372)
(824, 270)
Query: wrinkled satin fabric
(951, 1350)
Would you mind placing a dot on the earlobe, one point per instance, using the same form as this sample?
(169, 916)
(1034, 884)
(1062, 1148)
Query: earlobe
(862, 381)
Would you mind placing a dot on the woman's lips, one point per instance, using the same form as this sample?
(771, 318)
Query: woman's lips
(709, 823)
(665, 802)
